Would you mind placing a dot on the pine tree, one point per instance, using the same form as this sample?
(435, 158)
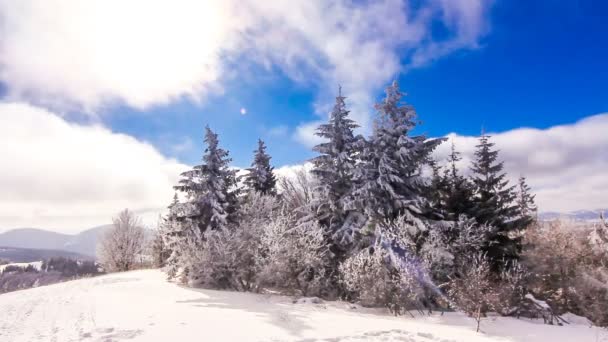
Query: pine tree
(436, 192)
(211, 187)
(335, 164)
(261, 177)
(525, 202)
(494, 204)
(388, 181)
(172, 236)
(459, 190)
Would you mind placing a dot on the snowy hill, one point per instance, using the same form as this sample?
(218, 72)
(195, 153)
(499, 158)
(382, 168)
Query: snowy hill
(32, 238)
(142, 306)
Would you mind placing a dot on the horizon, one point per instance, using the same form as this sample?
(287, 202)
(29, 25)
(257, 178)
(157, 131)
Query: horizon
(111, 114)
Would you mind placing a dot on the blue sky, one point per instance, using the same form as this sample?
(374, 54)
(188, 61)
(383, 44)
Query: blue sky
(103, 104)
(541, 64)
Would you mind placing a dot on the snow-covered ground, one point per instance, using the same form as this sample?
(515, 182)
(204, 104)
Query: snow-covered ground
(142, 306)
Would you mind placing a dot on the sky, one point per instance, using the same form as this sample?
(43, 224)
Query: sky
(103, 104)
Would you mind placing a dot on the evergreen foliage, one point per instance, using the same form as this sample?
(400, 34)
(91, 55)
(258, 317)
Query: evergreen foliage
(459, 193)
(525, 202)
(260, 176)
(388, 181)
(335, 165)
(211, 187)
(494, 204)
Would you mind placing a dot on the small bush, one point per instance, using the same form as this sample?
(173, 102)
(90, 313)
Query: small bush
(293, 257)
(471, 289)
(378, 277)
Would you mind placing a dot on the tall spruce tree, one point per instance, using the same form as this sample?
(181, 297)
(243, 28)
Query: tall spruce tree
(525, 202)
(260, 176)
(335, 165)
(211, 187)
(459, 190)
(494, 204)
(436, 192)
(388, 181)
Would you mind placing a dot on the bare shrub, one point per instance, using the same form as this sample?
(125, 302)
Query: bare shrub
(122, 244)
(298, 193)
(471, 289)
(511, 289)
(568, 269)
(554, 254)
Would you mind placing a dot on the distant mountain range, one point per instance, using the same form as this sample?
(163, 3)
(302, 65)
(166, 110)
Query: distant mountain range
(15, 254)
(578, 215)
(83, 243)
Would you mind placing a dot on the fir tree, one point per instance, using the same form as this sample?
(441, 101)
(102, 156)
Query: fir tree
(436, 192)
(261, 177)
(388, 178)
(335, 164)
(459, 190)
(493, 204)
(172, 237)
(211, 187)
(525, 202)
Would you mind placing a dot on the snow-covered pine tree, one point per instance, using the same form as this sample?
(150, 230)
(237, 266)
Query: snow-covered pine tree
(172, 236)
(334, 166)
(211, 187)
(260, 177)
(525, 202)
(494, 204)
(436, 191)
(459, 192)
(388, 181)
(160, 252)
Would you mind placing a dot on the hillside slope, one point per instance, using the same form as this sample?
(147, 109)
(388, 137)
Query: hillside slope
(142, 306)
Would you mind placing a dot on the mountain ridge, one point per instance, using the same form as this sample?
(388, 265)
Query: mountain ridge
(36, 238)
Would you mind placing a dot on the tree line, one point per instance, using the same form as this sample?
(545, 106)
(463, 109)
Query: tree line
(365, 224)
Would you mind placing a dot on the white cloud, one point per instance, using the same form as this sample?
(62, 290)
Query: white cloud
(290, 171)
(565, 165)
(278, 131)
(67, 176)
(72, 54)
(305, 134)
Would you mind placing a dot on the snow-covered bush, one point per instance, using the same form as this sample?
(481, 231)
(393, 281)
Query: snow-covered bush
(298, 194)
(553, 253)
(293, 256)
(120, 246)
(567, 269)
(229, 256)
(511, 289)
(158, 249)
(598, 241)
(471, 288)
(448, 243)
(377, 277)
